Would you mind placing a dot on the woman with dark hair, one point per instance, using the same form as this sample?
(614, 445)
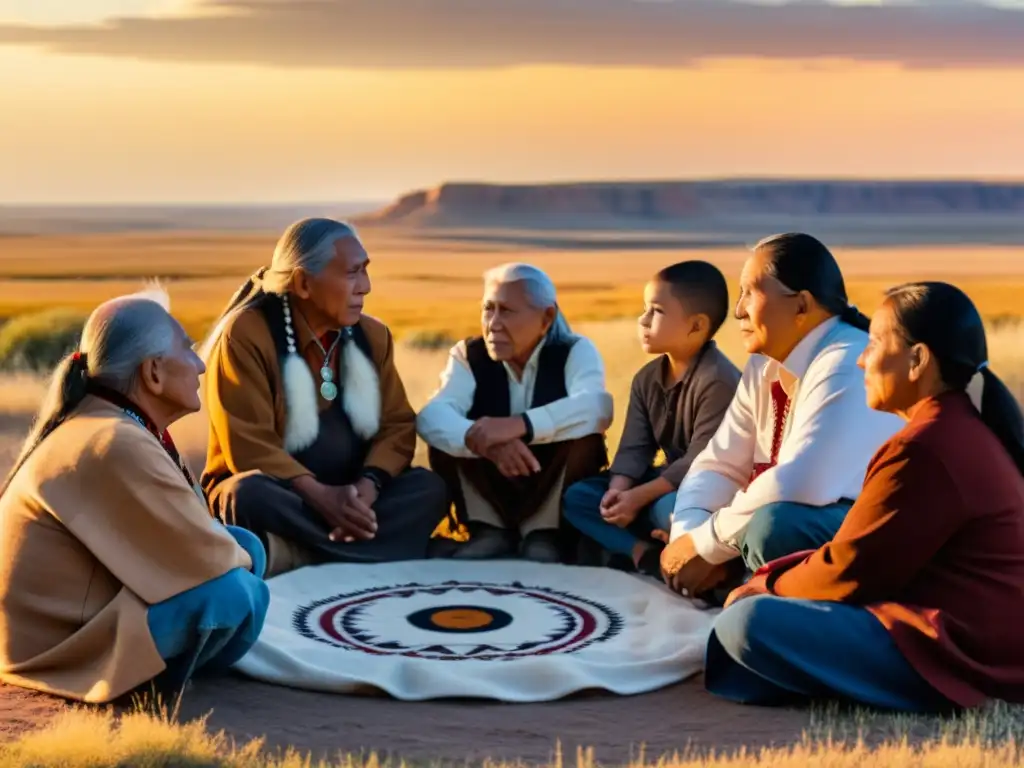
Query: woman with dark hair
(918, 601)
(789, 457)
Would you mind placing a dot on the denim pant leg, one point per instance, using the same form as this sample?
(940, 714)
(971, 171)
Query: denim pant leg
(660, 512)
(774, 650)
(581, 507)
(785, 527)
(251, 543)
(208, 625)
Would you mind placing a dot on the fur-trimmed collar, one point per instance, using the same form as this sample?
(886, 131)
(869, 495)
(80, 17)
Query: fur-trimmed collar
(359, 388)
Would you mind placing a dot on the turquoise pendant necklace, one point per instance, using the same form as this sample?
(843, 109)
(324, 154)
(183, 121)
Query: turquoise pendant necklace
(328, 389)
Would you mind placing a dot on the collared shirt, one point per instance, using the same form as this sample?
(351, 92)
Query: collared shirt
(586, 409)
(829, 437)
(678, 417)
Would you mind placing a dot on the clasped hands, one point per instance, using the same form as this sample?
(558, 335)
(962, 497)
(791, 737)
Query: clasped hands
(685, 571)
(620, 507)
(348, 509)
(500, 441)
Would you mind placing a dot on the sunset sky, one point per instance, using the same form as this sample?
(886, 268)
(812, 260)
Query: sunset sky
(331, 100)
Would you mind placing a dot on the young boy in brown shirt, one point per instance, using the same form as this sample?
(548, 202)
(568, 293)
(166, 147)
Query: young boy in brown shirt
(676, 403)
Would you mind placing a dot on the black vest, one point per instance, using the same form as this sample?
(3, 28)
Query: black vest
(272, 308)
(491, 397)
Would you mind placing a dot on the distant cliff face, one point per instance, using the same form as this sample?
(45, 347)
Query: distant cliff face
(661, 201)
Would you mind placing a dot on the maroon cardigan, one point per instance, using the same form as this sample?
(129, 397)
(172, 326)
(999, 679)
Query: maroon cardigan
(934, 548)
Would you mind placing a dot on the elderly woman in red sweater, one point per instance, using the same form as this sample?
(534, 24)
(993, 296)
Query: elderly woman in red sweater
(917, 603)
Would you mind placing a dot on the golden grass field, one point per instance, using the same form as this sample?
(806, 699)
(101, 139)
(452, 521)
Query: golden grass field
(433, 286)
(149, 738)
(421, 284)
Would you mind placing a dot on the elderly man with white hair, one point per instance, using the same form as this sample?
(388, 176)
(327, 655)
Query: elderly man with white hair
(520, 414)
(113, 573)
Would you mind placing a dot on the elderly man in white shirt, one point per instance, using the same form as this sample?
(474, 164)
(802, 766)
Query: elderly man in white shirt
(520, 414)
(789, 457)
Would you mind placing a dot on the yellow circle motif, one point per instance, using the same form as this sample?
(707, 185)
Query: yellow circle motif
(461, 618)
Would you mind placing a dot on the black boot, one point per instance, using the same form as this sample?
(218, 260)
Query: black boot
(486, 542)
(541, 547)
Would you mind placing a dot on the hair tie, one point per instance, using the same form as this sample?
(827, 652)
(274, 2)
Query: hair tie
(976, 387)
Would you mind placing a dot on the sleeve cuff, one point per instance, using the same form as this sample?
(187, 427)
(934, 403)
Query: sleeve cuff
(677, 530)
(543, 425)
(458, 441)
(708, 546)
(628, 469)
(674, 474)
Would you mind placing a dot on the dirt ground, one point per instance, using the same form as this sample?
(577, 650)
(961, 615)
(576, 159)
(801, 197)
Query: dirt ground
(616, 727)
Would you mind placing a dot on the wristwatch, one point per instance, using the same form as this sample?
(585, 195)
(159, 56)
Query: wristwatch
(528, 437)
(376, 476)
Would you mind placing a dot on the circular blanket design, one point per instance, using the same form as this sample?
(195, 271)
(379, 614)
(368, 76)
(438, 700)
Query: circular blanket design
(506, 630)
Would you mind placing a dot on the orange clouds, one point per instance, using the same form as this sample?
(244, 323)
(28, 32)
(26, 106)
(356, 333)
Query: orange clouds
(389, 34)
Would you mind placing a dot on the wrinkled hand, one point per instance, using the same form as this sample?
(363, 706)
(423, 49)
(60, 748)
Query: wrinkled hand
(349, 516)
(623, 509)
(487, 433)
(368, 494)
(514, 459)
(686, 572)
(758, 585)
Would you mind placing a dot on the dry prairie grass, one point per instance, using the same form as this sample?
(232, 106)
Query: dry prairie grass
(434, 284)
(149, 739)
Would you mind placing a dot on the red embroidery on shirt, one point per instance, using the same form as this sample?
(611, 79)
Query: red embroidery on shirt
(780, 411)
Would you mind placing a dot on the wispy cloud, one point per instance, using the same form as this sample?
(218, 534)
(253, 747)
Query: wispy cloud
(502, 33)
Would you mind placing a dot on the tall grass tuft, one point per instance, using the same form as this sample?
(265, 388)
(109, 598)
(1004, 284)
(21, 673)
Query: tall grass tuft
(36, 342)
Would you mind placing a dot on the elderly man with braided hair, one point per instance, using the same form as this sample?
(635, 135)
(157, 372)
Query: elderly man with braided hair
(311, 434)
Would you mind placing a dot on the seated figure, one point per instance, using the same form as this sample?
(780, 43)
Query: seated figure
(917, 602)
(788, 459)
(112, 573)
(676, 403)
(311, 433)
(520, 415)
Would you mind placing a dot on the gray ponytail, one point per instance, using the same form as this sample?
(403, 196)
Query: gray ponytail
(118, 336)
(307, 244)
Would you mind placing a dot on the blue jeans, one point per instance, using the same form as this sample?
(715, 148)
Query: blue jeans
(211, 626)
(785, 527)
(581, 507)
(772, 650)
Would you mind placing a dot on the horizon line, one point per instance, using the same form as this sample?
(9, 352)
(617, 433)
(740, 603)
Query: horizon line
(135, 202)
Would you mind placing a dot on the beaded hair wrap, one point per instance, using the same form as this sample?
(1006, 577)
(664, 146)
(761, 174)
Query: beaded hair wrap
(303, 424)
